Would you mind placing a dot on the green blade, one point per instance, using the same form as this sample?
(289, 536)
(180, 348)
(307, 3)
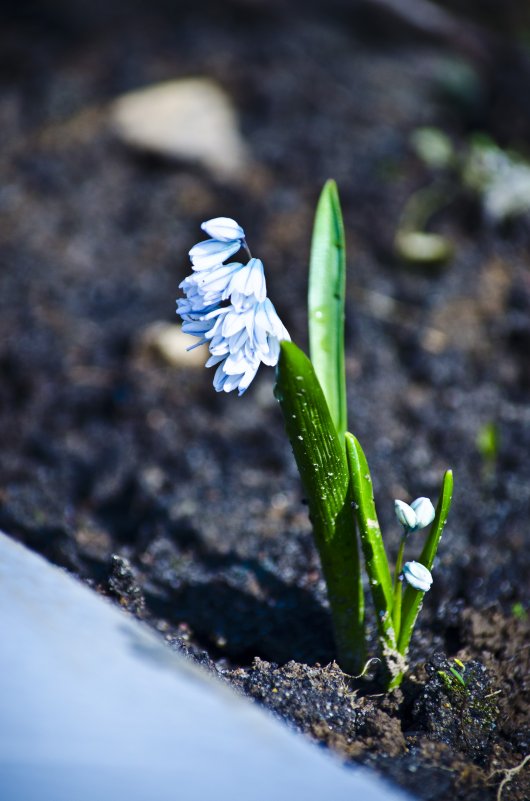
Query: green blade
(322, 465)
(320, 459)
(372, 544)
(327, 283)
(412, 599)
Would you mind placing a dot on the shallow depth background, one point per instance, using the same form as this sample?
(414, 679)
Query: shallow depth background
(185, 506)
(105, 448)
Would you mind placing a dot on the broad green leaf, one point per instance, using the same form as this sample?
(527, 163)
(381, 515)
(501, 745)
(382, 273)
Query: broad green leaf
(322, 465)
(327, 282)
(376, 562)
(412, 599)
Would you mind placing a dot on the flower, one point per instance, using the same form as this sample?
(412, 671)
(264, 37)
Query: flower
(417, 576)
(212, 252)
(226, 306)
(223, 228)
(405, 514)
(418, 515)
(226, 238)
(247, 282)
(241, 341)
(241, 337)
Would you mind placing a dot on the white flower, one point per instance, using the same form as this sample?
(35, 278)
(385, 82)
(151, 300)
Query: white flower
(209, 287)
(245, 337)
(418, 515)
(424, 512)
(226, 306)
(191, 308)
(226, 239)
(235, 372)
(206, 289)
(212, 252)
(417, 576)
(203, 325)
(194, 306)
(248, 281)
(241, 340)
(405, 514)
(223, 228)
(255, 326)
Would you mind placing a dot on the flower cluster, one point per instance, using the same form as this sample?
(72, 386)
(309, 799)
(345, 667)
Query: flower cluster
(226, 306)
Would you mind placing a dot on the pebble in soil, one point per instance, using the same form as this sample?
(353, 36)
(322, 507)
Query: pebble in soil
(123, 586)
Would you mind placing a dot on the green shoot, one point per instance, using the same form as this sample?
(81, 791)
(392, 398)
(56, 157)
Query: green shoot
(322, 465)
(327, 281)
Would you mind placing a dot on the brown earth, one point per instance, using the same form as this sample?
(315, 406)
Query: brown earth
(185, 506)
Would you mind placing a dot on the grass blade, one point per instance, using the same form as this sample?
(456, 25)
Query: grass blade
(327, 282)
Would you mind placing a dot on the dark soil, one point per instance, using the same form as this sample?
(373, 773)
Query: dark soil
(184, 505)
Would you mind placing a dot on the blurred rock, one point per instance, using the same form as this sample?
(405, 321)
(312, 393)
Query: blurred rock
(420, 247)
(190, 120)
(169, 343)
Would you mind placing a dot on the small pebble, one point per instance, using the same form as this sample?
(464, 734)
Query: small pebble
(168, 342)
(191, 120)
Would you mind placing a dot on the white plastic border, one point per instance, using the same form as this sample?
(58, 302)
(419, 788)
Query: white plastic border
(93, 706)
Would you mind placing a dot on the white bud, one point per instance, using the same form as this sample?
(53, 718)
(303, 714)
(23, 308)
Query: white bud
(212, 252)
(223, 229)
(405, 514)
(424, 512)
(417, 576)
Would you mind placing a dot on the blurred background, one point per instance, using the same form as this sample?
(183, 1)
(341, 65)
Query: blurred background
(112, 438)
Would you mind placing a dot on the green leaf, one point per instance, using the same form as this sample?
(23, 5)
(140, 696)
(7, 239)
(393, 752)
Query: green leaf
(322, 465)
(376, 562)
(412, 599)
(458, 676)
(327, 283)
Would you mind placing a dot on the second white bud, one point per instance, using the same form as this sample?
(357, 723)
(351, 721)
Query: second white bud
(419, 514)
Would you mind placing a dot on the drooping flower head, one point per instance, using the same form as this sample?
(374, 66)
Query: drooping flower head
(226, 306)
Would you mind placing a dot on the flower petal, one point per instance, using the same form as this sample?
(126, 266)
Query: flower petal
(223, 228)
(271, 358)
(424, 511)
(417, 576)
(219, 378)
(213, 360)
(247, 379)
(211, 252)
(405, 514)
(234, 322)
(249, 281)
(231, 382)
